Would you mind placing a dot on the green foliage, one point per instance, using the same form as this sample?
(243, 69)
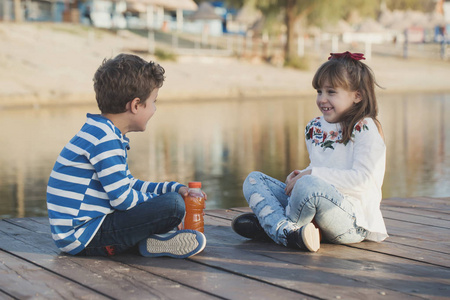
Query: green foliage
(162, 54)
(296, 62)
(421, 5)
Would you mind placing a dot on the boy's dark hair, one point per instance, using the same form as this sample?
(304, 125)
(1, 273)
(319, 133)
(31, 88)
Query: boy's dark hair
(121, 79)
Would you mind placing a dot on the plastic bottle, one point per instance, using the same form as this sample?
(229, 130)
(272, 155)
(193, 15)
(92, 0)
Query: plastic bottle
(195, 203)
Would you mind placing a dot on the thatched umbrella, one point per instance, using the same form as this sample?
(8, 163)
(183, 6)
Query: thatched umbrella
(205, 12)
(141, 5)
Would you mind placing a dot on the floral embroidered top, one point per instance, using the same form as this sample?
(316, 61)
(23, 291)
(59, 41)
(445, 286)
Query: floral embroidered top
(356, 168)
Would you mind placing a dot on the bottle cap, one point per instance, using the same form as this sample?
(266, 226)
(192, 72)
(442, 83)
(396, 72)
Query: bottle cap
(195, 184)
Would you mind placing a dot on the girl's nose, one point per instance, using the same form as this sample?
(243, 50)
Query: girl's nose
(321, 98)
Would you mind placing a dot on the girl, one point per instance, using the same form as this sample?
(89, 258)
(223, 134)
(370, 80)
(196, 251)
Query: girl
(340, 190)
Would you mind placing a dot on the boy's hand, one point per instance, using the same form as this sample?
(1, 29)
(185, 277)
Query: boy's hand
(183, 191)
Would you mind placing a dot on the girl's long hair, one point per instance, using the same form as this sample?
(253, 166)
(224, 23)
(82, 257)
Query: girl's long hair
(351, 75)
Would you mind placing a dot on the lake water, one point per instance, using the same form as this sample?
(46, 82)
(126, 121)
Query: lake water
(220, 142)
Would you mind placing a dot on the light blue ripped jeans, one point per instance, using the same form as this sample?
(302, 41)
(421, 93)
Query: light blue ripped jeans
(311, 198)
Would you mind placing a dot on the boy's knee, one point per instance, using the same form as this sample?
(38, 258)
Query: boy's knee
(177, 202)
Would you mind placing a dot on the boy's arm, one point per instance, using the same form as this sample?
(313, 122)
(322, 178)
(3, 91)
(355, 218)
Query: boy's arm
(156, 188)
(124, 192)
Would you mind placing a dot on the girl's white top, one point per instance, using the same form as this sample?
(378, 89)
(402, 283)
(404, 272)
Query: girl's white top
(356, 169)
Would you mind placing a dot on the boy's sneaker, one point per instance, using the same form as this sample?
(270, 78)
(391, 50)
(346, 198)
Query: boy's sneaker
(306, 238)
(177, 244)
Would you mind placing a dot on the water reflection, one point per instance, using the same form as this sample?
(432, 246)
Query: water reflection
(219, 143)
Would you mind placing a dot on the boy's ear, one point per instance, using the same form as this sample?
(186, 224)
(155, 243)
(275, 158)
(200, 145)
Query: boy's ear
(134, 105)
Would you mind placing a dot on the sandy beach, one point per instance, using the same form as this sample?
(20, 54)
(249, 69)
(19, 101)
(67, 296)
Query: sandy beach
(53, 64)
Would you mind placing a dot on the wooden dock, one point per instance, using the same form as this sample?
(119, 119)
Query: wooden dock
(413, 263)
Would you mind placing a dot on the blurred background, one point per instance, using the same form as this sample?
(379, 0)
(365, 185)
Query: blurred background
(237, 95)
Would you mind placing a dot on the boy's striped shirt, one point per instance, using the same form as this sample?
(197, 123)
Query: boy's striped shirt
(91, 179)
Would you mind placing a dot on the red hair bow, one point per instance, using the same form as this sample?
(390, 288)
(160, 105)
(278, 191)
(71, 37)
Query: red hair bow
(346, 54)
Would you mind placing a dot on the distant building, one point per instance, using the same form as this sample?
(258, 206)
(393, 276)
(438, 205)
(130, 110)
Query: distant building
(32, 10)
(103, 13)
(446, 10)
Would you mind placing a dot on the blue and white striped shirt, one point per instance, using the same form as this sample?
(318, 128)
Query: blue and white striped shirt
(90, 180)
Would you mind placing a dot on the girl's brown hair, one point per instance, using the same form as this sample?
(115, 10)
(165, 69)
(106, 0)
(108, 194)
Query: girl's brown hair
(351, 75)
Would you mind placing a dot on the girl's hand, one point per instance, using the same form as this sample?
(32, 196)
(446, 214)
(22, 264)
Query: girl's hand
(293, 179)
(291, 176)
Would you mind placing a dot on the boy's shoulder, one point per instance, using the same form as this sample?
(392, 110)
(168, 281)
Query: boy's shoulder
(97, 128)
(99, 125)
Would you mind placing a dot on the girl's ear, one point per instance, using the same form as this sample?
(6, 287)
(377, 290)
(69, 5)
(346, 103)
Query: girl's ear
(358, 97)
(134, 105)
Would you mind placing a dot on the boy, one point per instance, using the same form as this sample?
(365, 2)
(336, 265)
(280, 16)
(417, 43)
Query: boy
(95, 205)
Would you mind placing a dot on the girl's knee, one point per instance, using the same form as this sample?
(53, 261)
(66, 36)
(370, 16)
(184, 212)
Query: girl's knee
(251, 180)
(252, 177)
(309, 184)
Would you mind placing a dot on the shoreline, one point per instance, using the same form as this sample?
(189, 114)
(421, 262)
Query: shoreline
(89, 101)
(44, 65)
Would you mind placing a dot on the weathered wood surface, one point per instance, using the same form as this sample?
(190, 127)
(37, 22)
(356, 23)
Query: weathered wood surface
(413, 263)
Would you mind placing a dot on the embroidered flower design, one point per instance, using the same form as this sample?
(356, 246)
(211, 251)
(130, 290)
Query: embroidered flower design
(360, 126)
(315, 133)
(333, 135)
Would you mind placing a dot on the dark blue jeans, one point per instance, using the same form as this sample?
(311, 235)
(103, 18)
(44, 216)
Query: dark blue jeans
(122, 230)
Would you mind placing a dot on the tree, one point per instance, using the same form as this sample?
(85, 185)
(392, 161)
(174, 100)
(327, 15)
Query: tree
(309, 12)
(421, 5)
(18, 11)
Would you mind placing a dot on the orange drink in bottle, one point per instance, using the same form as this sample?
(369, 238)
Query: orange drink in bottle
(195, 203)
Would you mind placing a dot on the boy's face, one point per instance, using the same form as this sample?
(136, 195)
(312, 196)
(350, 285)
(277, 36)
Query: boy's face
(146, 111)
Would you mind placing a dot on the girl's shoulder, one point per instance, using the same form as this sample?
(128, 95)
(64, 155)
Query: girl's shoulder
(368, 126)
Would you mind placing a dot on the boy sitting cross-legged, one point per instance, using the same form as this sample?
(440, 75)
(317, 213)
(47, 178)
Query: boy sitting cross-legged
(95, 206)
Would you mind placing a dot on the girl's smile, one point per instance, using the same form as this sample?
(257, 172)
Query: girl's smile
(334, 101)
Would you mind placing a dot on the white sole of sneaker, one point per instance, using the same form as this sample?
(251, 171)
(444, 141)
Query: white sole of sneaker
(311, 237)
(179, 244)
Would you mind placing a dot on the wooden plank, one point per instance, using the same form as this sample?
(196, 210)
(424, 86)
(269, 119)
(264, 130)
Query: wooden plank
(283, 279)
(426, 241)
(210, 282)
(411, 264)
(415, 233)
(412, 219)
(103, 275)
(416, 212)
(390, 274)
(419, 231)
(21, 279)
(288, 267)
(441, 205)
(5, 296)
(218, 282)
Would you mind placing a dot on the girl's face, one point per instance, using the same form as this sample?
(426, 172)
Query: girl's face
(334, 101)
